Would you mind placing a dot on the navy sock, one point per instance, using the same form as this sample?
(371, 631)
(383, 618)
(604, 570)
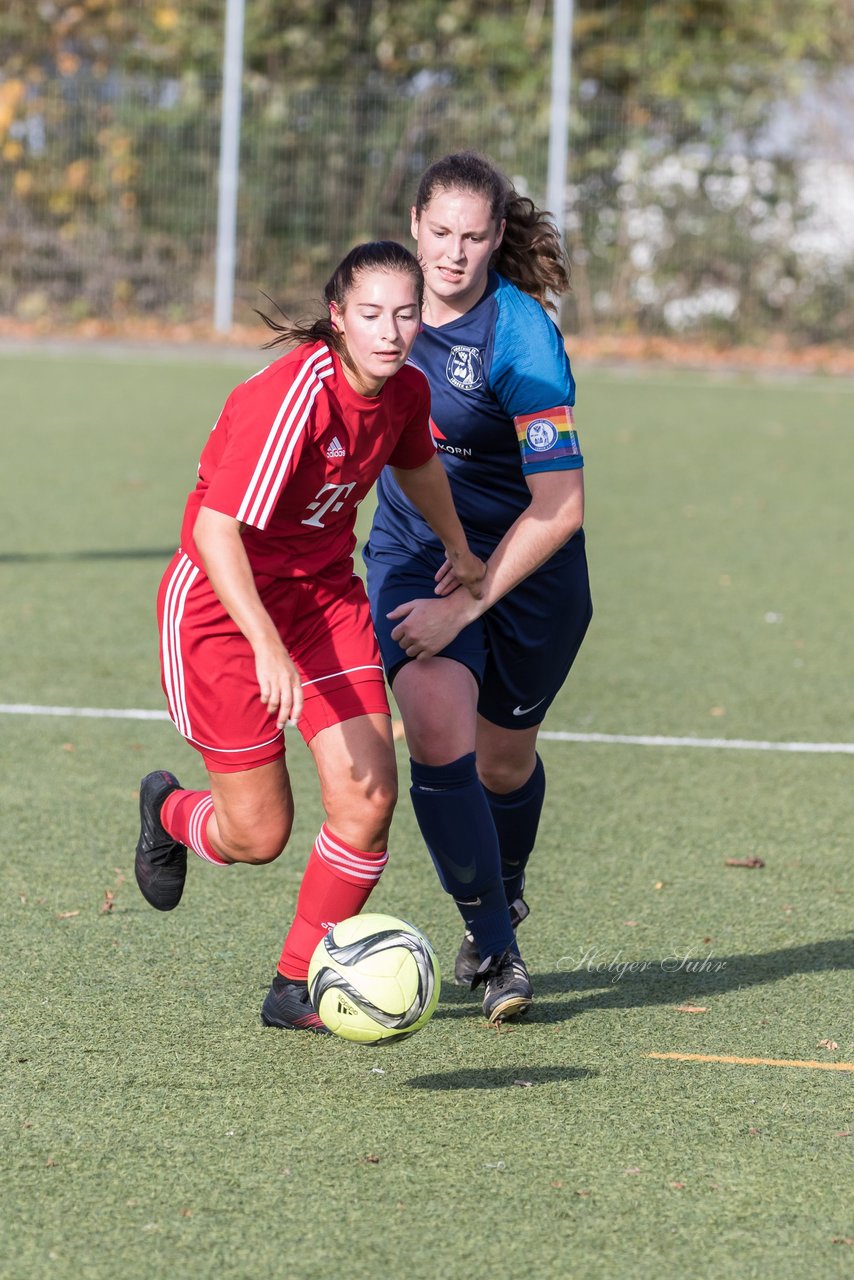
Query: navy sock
(516, 815)
(453, 814)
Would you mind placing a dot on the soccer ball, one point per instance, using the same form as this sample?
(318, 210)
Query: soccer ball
(374, 978)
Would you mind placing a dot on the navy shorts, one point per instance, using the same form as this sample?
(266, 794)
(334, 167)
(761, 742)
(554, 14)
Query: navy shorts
(520, 651)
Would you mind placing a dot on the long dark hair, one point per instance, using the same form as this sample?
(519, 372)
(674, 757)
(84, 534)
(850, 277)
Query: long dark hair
(531, 254)
(377, 255)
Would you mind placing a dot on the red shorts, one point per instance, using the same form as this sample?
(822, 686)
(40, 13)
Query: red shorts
(208, 667)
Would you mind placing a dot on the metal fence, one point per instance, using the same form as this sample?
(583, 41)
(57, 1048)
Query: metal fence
(108, 200)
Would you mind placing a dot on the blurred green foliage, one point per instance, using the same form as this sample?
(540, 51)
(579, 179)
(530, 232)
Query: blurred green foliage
(109, 125)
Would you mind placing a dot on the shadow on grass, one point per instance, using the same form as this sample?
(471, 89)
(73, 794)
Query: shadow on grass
(605, 979)
(498, 1077)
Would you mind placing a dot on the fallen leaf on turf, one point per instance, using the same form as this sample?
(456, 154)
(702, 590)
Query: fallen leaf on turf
(371, 1159)
(752, 863)
(50, 1163)
(843, 1133)
(754, 1133)
(842, 1240)
(68, 746)
(678, 1186)
(634, 1169)
(66, 915)
(582, 1193)
(828, 1044)
(109, 901)
(186, 1213)
(691, 1008)
(556, 1185)
(659, 884)
(524, 1084)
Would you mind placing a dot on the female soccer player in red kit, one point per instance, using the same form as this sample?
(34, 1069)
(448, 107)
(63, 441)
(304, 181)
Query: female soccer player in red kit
(263, 621)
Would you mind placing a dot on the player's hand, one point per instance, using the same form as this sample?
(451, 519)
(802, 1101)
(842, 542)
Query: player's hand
(425, 627)
(279, 683)
(465, 570)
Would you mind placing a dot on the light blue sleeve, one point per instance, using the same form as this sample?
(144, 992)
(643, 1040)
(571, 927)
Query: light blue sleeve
(530, 370)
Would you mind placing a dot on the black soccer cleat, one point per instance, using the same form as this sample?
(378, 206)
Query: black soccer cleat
(288, 1005)
(468, 956)
(507, 992)
(161, 861)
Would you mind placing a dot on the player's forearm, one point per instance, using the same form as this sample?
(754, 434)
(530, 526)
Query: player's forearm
(427, 489)
(220, 546)
(542, 529)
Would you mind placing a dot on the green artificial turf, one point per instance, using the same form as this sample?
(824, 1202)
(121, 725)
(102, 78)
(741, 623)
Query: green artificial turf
(152, 1128)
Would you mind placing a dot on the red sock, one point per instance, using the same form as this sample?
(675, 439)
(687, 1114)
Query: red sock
(337, 883)
(185, 816)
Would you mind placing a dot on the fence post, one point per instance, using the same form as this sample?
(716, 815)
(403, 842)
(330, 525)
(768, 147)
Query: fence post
(229, 166)
(559, 116)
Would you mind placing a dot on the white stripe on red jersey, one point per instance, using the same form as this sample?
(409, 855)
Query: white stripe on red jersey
(288, 425)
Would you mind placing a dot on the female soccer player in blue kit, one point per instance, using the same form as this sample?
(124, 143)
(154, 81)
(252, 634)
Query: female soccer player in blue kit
(474, 678)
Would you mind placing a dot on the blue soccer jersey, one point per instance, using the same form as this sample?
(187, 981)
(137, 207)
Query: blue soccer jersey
(502, 395)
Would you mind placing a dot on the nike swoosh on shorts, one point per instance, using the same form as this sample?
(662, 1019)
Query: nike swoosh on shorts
(523, 711)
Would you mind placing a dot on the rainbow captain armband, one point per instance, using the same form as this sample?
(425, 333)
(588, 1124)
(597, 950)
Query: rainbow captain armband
(548, 440)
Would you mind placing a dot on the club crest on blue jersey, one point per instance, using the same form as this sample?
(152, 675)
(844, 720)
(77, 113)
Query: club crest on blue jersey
(464, 369)
(541, 434)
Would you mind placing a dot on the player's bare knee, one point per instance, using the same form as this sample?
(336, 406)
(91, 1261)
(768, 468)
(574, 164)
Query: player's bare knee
(382, 800)
(258, 846)
(502, 776)
(362, 813)
(376, 803)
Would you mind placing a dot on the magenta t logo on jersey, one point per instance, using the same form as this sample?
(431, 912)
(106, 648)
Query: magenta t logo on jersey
(464, 369)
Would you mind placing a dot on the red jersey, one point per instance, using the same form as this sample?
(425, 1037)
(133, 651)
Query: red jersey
(293, 453)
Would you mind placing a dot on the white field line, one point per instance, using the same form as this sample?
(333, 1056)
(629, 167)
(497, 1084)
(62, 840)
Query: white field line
(89, 713)
(721, 744)
(614, 739)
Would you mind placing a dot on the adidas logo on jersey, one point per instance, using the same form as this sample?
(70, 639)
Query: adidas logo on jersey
(335, 449)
